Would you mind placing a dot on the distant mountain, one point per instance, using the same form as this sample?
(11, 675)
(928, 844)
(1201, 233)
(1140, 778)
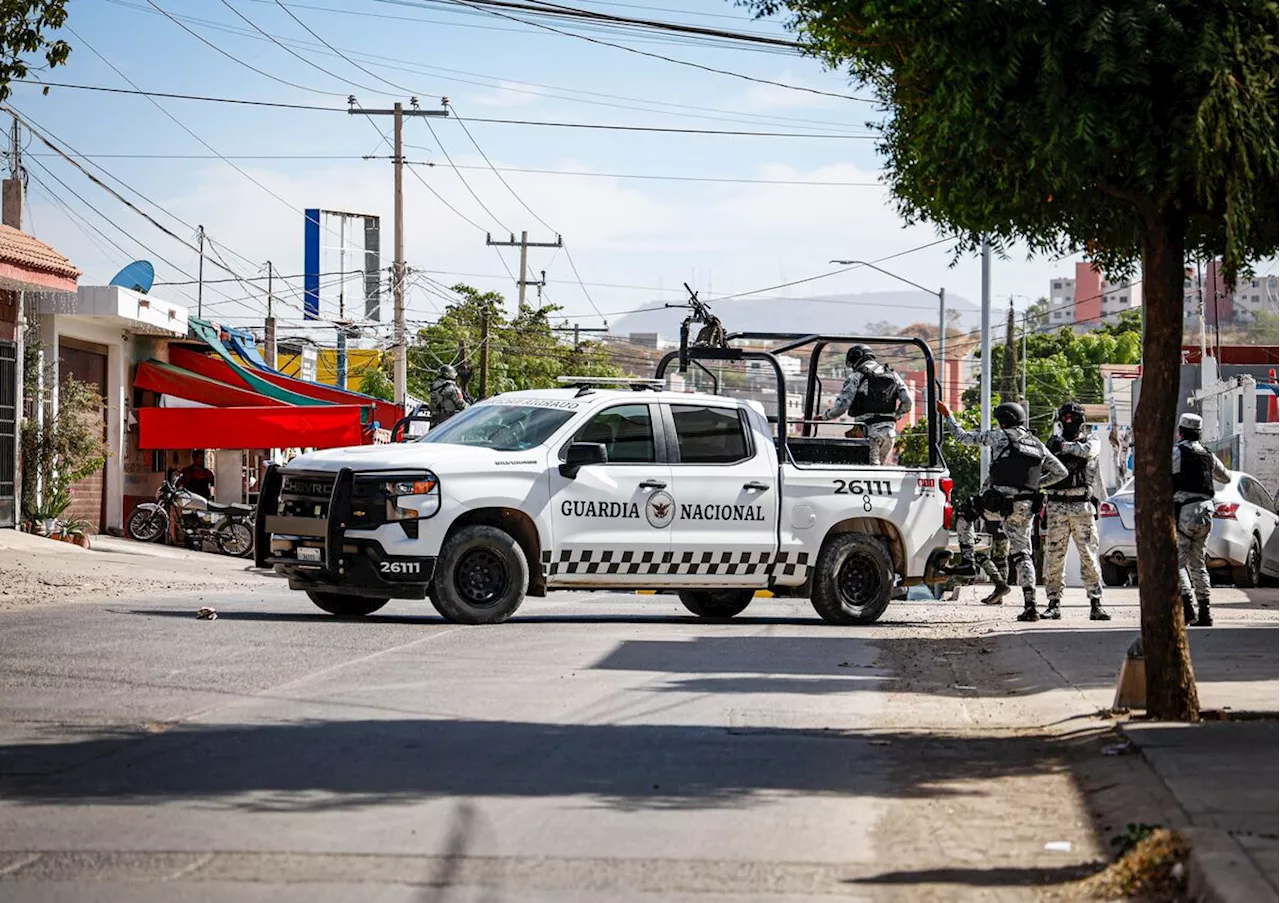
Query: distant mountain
(869, 313)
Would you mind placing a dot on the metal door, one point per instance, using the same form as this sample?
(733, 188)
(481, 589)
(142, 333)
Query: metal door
(8, 431)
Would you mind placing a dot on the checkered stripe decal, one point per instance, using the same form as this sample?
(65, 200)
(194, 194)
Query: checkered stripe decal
(699, 564)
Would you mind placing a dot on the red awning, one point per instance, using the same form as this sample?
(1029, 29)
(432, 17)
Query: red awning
(215, 368)
(167, 379)
(249, 427)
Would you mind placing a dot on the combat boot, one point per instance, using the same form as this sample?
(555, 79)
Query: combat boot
(1205, 619)
(1096, 612)
(1188, 611)
(1029, 612)
(997, 594)
(1053, 612)
(966, 567)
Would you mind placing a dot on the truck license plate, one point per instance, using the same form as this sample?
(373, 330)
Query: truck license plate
(306, 553)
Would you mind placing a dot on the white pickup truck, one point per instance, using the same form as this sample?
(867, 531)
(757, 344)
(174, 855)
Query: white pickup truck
(605, 488)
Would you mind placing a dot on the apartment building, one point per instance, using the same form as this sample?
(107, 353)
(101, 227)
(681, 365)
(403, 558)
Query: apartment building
(1089, 299)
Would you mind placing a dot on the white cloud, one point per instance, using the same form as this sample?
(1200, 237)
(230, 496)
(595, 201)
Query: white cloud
(762, 98)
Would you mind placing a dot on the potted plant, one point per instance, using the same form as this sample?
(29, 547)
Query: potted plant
(76, 530)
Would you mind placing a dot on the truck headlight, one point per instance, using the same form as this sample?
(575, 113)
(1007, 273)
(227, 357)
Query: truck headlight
(400, 497)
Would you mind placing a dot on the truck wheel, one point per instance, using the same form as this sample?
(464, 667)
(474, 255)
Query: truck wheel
(481, 577)
(345, 606)
(853, 579)
(719, 603)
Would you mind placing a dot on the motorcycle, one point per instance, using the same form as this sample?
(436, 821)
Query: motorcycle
(229, 527)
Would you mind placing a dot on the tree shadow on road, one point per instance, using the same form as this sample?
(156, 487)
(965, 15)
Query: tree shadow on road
(327, 765)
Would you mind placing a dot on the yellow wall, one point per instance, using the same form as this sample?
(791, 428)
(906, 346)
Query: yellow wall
(359, 360)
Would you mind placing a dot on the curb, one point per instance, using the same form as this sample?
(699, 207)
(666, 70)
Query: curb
(1220, 871)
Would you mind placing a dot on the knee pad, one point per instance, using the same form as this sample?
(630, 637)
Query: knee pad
(1018, 557)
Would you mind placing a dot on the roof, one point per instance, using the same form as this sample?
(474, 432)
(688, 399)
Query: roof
(597, 394)
(27, 262)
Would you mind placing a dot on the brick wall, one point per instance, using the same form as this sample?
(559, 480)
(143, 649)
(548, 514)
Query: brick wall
(87, 500)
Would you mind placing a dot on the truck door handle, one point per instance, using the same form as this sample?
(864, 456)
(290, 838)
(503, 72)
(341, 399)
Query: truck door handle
(653, 484)
(755, 485)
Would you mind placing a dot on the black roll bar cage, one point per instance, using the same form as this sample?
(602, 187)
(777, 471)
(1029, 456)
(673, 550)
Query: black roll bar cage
(794, 340)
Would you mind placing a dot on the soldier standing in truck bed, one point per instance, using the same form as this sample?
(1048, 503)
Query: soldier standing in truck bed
(874, 396)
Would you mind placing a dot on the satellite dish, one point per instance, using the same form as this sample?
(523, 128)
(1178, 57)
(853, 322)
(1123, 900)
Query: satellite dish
(137, 276)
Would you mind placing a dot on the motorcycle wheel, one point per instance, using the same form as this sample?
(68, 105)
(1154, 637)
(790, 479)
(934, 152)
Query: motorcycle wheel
(234, 538)
(147, 525)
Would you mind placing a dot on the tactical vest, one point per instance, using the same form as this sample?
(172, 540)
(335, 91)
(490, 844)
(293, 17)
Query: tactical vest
(1018, 466)
(1195, 475)
(1075, 465)
(444, 403)
(879, 395)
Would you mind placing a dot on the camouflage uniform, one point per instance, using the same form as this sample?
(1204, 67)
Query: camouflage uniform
(446, 400)
(1018, 522)
(1071, 515)
(1195, 521)
(881, 433)
(995, 561)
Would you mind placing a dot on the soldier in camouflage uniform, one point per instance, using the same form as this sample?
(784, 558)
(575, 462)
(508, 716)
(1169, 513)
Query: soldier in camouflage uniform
(994, 562)
(875, 397)
(1072, 506)
(1020, 467)
(446, 397)
(1195, 470)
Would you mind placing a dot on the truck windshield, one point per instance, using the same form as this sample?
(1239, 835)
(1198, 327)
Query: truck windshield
(501, 427)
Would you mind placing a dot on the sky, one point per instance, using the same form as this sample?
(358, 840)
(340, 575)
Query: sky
(633, 240)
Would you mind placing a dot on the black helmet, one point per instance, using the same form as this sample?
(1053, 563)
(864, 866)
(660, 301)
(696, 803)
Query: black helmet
(447, 372)
(1009, 414)
(1071, 412)
(857, 354)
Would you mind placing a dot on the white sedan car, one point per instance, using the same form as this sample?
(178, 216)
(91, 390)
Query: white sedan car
(1241, 545)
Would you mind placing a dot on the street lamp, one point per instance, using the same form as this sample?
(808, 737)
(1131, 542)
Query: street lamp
(941, 295)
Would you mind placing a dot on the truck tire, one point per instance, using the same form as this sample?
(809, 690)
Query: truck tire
(717, 603)
(853, 579)
(345, 606)
(481, 577)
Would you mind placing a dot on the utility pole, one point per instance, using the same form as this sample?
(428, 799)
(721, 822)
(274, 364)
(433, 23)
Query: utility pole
(269, 334)
(484, 356)
(12, 214)
(577, 332)
(398, 112)
(942, 343)
(985, 378)
(1026, 401)
(524, 245)
(200, 275)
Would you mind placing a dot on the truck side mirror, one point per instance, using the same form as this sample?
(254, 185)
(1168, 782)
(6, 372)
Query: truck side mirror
(580, 455)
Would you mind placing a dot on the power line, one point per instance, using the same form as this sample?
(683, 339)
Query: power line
(490, 81)
(667, 59)
(231, 56)
(600, 126)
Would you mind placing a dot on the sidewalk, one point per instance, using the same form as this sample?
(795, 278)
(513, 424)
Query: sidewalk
(1223, 775)
(35, 570)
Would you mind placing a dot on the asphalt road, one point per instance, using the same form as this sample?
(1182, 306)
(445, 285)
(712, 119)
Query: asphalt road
(599, 747)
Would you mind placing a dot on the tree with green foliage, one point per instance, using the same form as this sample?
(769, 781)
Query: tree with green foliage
(524, 352)
(1066, 366)
(1132, 130)
(24, 28)
(962, 460)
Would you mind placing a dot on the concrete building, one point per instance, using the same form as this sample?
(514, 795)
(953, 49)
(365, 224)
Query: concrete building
(97, 335)
(26, 265)
(1089, 300)
(1224, 304)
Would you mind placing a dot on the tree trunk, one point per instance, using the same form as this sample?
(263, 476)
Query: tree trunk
(1171, 687)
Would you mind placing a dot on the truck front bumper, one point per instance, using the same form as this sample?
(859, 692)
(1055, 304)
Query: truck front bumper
(315, 553)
